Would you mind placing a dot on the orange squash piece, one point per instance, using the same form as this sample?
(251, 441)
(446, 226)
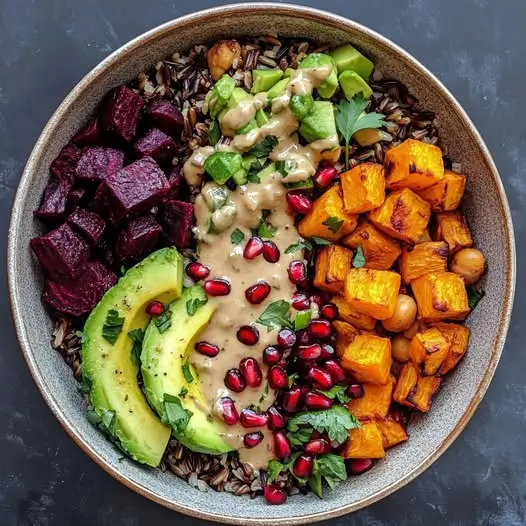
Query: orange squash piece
(345, 334)
(428, 350)
(375, 401)
(363, 188)
(452, 228)
(406, 383)
(404, 215)
(420, 259)
(415, 391)
(332, 265)
(446, 194)
(458, 338)
(355, 318)
(393, 432)
(364, 442)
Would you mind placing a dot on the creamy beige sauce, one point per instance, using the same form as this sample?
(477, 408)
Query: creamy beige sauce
(237, 117)
(303, 81)
(193, 168)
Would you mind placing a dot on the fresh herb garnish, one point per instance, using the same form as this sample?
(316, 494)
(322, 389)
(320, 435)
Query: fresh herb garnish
(300, 437)
(193, 304)
(112, 326)
(85, 384)
(320, 241)
(474, 296)
(253, 177)
(292, 379)
(358, 261)
(183, 392)
(264, 148)
(275, 468)
(349, 120)
(137, 337)
(266, 230)
(333, 224)
(302, 244)
(338, 393)
(105, 422)
(302, 319)
(174, 414)
(329, 468)
(214, 133)
(285, 167)
(276, 315)
(263, 397)
(164, 321)
(187, 373)
(237, 237)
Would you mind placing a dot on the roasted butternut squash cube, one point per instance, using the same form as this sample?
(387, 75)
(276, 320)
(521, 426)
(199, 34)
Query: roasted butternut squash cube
(440, 296)
(413, 390)
(355, 318)
(452, 228)
(368, 358)
(404, 215)
(363, 188)
(413, 164)
(332, 266)
(375, 401)
(380, 251)
(345, 334)
(406, 383)
(372, 292)
(446, 194)
(423, 258)
(425, 237)
(428, 350)
(393, 432)
(364, 442)
(327, 217)
(458, 338)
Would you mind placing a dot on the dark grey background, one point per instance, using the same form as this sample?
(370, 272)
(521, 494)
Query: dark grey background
(475, 46)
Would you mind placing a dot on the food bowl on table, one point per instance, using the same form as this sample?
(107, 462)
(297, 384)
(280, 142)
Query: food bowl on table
(484, 206)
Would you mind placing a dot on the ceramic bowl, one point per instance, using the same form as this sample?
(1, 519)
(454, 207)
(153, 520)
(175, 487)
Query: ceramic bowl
(486, 208)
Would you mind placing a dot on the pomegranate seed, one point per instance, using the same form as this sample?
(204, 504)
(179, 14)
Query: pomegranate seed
(299, 202)
(271, 252)
(250, 370)
(318, 446)
(335, 370)
(208, 349)
(234, 380)
(321, 378)
(197, 271)
(329, 312)
(358, 466)
(274, 495)
(155, 308)
(252, 439)
(271, 355)
(300, 301)
(292, 400)
(277, 377)
(217, 287)
(248, 335)
(249, 418)
(257, 293)
(317, 401)
(297, 271)
(317, 299)
(303, 466)
(355, 391)
(303, 337)
(319, 329)
(275, 419)
(324, 176)
(327, 351)
(282, 447)
(229, 411)
(253, 248)
(286, 337)
(309, 352)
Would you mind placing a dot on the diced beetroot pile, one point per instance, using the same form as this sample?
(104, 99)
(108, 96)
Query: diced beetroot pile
(113, 197)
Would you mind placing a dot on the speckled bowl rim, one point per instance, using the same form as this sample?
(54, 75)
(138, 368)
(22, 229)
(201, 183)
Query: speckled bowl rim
(47, 135)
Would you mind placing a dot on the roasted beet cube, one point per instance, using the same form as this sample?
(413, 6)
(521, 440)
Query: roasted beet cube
(65, 163)
(53, 206)
(155, 144)
(121, 113)
(79, 297)
(90, 135)
(138, 239)
(76, 197)
(163, 115)
(88, 224)
(135, 189)
(178, 188)
(96, 164)
(177, 218)
(61, 252)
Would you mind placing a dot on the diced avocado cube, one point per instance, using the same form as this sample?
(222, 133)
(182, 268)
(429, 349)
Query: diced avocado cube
(278, 89)
(221, 166)
(352, 84)
(267, 171)
(238, 95)
(261, 118)
(320, 123)
(330, 84)
(301, 105)
(349, 58)
(220, 94)
(264, 79)
(240, 177)
(248, 127)
(288, 72)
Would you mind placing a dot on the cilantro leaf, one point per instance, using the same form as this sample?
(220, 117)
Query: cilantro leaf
(187, 373)
(183, 392)
(237, 237)
(292, 379)
(333, 224)
(338, 393)
(164, 321)
(112, 326)
(302, 319)
(358, 260)
(193, 304)
(137, 337)
(264, 148)
(300, 437)
(474, 296)
(329, 468)
(276, 315)
(320, 241)
(266, 230)
(174, 414)
(302, 244)
(275, 468)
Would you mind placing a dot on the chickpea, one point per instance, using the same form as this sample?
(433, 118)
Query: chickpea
(409, 333)
(404, 314)
(469, 263)
(400, 348)
(221, 57)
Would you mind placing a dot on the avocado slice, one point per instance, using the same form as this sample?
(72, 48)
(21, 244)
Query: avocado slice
(329, 86)
(301, 105)
(320, 123)
(348, 58)
(264, 79)
(278, 89)
(221, 166)
(352, 84)
(261, 118)
(163, 357)
(109, 369)
(220, 94)
(238, 95)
